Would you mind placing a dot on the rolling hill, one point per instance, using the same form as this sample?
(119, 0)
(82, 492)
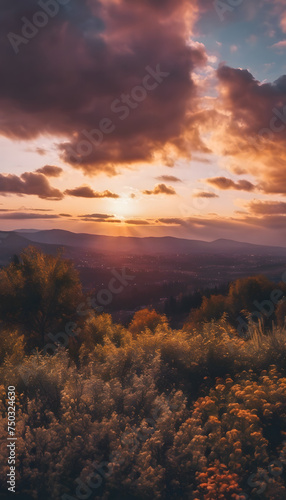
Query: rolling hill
(13, 242)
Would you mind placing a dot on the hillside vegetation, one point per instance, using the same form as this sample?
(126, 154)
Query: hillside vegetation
(146, 411)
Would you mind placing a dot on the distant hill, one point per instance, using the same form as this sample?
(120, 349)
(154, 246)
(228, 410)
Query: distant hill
(12, 243)
(133, 245)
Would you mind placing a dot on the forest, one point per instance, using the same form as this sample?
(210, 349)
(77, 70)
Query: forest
(141, 411)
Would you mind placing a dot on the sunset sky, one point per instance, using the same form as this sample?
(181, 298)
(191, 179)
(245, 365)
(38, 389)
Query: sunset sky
(144, 117)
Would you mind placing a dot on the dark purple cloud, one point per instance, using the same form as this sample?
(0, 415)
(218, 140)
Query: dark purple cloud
(93, 53)
(168, 178)
(29, 183)
(26, 215)
(225, 183)
(255, 125)
(50, 171)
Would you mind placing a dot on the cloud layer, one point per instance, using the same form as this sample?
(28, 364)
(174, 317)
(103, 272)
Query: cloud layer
(91, 54)
(37, 184)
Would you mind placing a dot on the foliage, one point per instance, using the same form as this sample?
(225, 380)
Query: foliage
(146, 318)
(171, 414)
(245, 297)
(38, 293)
(147, 411)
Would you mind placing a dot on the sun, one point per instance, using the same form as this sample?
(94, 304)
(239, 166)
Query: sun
(123, 207)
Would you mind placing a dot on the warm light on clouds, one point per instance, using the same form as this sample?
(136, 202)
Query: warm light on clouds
(148, 117)
(283, 22)
(160, 189)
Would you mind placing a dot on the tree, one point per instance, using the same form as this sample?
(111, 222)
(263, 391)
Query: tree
(212, 308)
(38, 294)
(243, 292)
(146, 318)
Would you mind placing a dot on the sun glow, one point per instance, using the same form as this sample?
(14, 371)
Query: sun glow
(123, 208)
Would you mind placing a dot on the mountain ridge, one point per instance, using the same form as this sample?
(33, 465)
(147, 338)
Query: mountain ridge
(150, 244)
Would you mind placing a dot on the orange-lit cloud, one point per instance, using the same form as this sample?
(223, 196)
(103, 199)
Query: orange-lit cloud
(225, 183)
(205, 194)
(93, 76)
(259, 207)
(161, 189)
(137, 222)
(88, 192)
(50, 171)
(248, 128)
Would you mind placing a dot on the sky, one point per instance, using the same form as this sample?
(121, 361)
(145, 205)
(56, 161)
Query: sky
(144, 118)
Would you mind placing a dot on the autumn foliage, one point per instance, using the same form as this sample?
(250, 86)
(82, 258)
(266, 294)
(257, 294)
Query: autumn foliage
(196, 413)
(251, 299)
(38, 294)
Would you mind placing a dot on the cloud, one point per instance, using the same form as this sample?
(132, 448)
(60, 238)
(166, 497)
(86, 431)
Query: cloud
(114, 221)
(97, 216)
(225, 183)
(168, 178)
(201, 160)
(279, 45)
(88, 192)
(205, 194)
(36, 209)
(137, 222)
(283, 22)
(95, 53)
(267, 207)
(172, 221)
(161, 189)
(23, 216)
(250, 126)
(41, 151)
(110, 221)
(100, 218)
(29, 183)
(50, 171)
(26, 209)
(255, 228)
(243, 228)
